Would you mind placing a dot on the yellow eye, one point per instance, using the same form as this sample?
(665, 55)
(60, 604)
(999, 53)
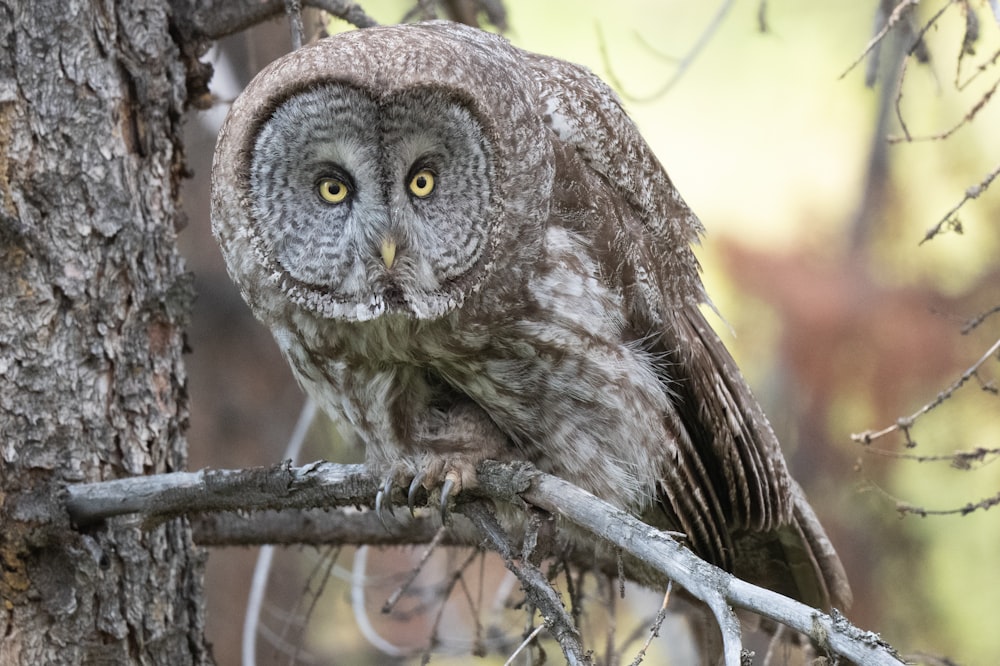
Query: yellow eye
(422, 183)
(332, 190)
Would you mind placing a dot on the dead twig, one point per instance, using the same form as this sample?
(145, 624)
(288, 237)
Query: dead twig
(684, 63)
(897, 14)
(949, 220)
(904, 424)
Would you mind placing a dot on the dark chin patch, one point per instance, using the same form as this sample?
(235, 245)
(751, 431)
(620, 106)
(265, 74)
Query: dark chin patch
(393, 297)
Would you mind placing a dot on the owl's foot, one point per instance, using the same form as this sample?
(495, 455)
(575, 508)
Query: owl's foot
(452, 473)
(451, 444)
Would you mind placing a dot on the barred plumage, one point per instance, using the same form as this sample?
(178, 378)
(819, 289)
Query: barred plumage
(506, 273)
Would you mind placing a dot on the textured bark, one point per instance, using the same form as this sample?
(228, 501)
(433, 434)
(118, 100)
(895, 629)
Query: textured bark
(93, 299)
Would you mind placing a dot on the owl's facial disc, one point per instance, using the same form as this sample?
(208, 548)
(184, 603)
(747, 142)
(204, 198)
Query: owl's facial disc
(372, 205)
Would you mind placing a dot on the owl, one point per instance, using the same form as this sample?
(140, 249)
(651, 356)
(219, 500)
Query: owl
(467, 251)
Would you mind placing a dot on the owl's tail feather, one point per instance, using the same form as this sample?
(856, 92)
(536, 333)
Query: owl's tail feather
(815, 565)
(795, 559)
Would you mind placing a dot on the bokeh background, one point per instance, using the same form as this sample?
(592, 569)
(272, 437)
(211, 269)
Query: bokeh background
(840, 319)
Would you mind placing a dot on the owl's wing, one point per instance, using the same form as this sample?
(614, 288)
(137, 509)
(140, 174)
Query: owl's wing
(729, 489)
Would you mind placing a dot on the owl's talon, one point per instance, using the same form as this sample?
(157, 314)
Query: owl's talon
(449, 485)
(414, 487)
(378, 509)
(383, 501)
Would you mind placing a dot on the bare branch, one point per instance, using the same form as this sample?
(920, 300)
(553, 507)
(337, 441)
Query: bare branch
(199, 20)
(683, 65)
(282, 486)
(949, 220)
(982, 505)
(540, 592)
(715, 587)
(904, 424)
(661, 614)
(962, 460)
(940, 136)
(898, 13)
(976, 321)
(330, 485)
(320, 526)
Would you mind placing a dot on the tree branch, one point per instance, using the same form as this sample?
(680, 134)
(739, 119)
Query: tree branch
(949, 220)
(897, 14)
(905, 423)
(205, 21)
(161, 496)
(330, 485)
(541, 594)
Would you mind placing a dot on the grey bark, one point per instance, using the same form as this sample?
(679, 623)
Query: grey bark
(93, 300)
(620, 535)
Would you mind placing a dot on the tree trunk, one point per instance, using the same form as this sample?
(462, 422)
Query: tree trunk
(93, 301)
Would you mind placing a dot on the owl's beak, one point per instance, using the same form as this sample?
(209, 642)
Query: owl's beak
(388, 252)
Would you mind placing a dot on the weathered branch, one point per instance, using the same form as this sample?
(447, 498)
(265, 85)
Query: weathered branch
(322, 526)
(541, 594)
(162, 496)
(717, 588)
(330, 485)
(204, 21)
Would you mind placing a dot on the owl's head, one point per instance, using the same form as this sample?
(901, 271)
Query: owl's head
(383, 171)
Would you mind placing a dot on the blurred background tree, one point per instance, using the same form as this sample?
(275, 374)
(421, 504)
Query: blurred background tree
(841, 320)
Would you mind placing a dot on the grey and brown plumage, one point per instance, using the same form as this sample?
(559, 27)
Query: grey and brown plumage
(468, 251)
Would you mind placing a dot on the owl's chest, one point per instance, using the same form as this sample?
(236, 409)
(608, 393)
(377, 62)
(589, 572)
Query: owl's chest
(554, 370)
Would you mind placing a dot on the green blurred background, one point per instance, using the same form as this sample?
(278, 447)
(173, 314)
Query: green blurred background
(840, 320)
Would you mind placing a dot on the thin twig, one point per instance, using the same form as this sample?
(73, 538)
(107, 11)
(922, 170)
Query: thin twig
(927, 26)
(894, 18)
(368, 631)
(941, 136)
(321, 572)
(412, 576)
(905, 423)
(981, 68)
(961, 460)
(899, 102)
(525, 643)
(558, 622)
(976, 321)
(609, 641)
(654, 630)
(970, 194)
(904, 508)
(449, 587)
(984, 504)
(682, 67)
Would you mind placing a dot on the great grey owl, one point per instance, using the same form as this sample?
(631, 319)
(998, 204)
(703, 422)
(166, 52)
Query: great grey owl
(468, 252)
